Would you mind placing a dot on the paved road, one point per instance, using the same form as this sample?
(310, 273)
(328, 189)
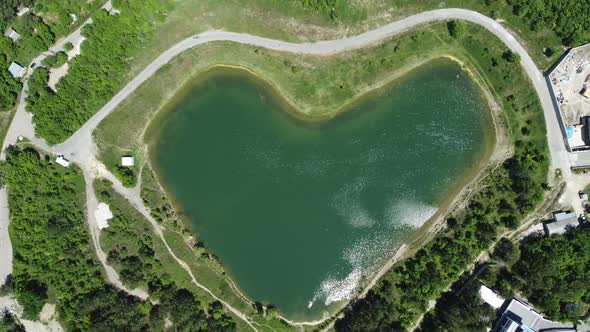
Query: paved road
(559, 157)
(80, 148)
(80, 141)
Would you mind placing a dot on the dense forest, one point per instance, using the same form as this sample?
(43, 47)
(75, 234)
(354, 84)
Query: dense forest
(550, 272)
(570, 19)
(97, 73)
(460, 309)
(9, 8)
(38, 29)
(54, 261)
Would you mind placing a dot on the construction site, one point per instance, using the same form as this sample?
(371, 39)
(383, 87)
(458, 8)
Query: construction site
(570, 82)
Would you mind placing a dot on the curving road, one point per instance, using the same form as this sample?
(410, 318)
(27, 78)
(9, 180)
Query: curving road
(80, 148)
(80, 139)
(559, 157)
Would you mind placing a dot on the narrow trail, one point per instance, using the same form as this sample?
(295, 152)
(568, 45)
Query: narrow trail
(134, 198)
(80, 148)
(91, 207)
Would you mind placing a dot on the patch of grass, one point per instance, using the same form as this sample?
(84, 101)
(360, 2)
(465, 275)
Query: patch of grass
(292, 21)
(322, 85)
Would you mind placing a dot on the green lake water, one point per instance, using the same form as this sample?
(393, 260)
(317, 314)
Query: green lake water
(299, 211)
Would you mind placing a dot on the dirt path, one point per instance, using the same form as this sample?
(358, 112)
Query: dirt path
(91, 206)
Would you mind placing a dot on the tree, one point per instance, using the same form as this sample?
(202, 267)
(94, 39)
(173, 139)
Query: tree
(456, 28)
(510, 56)
(460, 309)
(554, 271)
(10, 323)
(568, 18)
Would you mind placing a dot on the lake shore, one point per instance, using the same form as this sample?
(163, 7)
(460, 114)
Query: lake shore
(142, 111)
(429, 227)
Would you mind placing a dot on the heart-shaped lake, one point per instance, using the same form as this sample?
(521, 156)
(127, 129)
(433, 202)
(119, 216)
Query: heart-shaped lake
(299, 211)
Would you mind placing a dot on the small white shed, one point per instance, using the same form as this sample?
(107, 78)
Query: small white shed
(10, 33)
(16, 70)
(127, 161)
(23, 11)
(62, 161)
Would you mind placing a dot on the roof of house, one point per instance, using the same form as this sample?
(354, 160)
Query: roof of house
(561, 222)
(16, 70)
(520, 315)
(10, 33)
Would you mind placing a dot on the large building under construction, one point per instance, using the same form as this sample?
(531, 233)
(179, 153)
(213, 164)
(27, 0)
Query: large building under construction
(569, 81)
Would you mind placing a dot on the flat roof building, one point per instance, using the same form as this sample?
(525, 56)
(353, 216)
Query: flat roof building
(16, 70)
(562, 221)
(520, 317)
(10, 33)
(62, 161)
(127, 161)
(23, 11)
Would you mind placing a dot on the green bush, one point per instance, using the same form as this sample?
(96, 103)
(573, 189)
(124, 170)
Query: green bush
(60, 59)
(125, 175)
(56, 60)
(456, 28)
(10, 323)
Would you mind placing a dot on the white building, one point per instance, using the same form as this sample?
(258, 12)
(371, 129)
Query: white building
(62, 161)
(22, 11)
(127, 161)
(16, 70)
(561, 223)
(519, 316)
(10, 33)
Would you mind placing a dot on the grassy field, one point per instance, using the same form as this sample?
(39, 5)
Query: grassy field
(315, 86)
(318, 86)
(289, 20)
